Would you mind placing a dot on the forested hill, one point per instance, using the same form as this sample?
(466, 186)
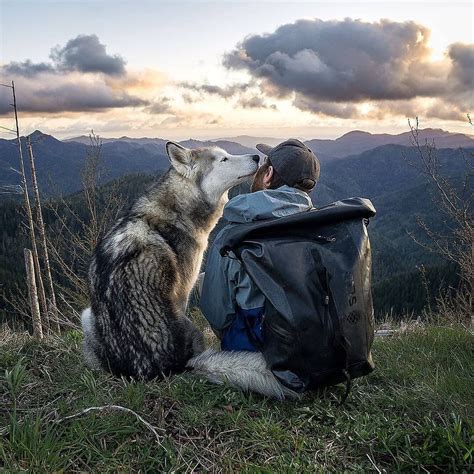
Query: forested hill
(388, 175)
(398, 192)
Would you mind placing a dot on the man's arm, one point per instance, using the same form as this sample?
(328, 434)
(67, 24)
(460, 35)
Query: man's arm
(217, 300)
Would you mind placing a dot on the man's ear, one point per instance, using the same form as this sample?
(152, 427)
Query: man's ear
(267, 177)
(181, 158)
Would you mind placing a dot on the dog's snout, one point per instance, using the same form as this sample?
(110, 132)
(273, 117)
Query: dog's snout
(256, 158)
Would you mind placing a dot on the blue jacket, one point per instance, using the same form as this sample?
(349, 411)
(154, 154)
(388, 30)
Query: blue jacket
(230, 301)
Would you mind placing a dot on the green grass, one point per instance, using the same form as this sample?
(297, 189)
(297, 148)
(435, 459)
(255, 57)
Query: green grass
(414, 413)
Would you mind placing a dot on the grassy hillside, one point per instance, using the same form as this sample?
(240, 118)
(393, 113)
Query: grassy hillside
(414, 413)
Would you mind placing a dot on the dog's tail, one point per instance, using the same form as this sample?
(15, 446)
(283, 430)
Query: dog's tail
(245, 370)
(90, 340)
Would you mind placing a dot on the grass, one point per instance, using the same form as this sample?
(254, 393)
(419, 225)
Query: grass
(414, 413)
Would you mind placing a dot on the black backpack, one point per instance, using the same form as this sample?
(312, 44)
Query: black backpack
(314, 269)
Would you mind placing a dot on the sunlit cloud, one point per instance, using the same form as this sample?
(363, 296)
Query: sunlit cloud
(331, 66)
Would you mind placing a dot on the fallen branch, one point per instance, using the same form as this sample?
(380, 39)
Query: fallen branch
(118, 408)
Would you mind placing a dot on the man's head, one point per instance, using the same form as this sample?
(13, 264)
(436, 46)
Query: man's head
(291, 163)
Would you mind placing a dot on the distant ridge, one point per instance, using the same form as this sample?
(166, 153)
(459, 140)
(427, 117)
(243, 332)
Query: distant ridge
(250, 141)
(358, 141)
(142, 141)
(59, 163)
(351, 143)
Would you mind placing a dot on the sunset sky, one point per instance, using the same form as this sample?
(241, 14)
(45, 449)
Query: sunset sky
(208, 70)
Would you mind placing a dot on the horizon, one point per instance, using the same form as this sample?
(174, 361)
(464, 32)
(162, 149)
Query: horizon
(230, 138)
(207, 71)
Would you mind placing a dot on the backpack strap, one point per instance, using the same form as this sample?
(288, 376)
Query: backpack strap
(339, 339)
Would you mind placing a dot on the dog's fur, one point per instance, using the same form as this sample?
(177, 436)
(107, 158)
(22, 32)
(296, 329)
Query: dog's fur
(145, 267)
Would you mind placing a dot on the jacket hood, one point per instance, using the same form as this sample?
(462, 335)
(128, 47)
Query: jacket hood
(267, 204)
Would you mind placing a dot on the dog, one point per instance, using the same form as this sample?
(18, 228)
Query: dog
(144, 269)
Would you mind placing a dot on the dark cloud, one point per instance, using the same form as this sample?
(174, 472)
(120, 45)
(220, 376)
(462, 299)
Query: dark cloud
(224, 92)
(255, 102)
(160, 106)
(333, 109)
(66, 95)
(26, 68)
(327, 66)
(462, 57)
(461, 80)
(240, 91)
(86, 53)
(337, 60)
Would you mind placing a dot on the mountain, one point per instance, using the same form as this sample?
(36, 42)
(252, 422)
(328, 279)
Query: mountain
(59, 164)
(351, 143)
(159, 144)
(231, 147)
(141, 141)
(357, 141)
(250, 142)
(374, 172)
(381, 171)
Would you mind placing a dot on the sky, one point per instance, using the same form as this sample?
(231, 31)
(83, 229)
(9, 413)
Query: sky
(221, 69)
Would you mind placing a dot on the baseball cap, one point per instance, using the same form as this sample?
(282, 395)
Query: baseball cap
(293, 161)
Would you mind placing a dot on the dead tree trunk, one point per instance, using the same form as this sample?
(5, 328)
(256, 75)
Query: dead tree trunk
(39, 219)
(33, 295)
(29, 215)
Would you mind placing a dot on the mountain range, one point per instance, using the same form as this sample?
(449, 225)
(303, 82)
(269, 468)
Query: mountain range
(350, 143)
(59, 163)
(357, 141)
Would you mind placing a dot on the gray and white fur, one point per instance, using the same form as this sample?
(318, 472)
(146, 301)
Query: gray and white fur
(143, 270)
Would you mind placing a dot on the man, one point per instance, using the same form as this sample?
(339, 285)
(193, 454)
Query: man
(231, 302)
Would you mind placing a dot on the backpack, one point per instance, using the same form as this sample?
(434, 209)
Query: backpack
(314, 269)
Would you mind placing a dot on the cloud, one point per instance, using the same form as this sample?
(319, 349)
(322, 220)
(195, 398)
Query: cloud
(225, 92)
(462, 71)
(460, 82)
(328, 66)
(243, 92)
(160, 106)
(26, 68)
(326, 108)
(185, 118)
(255, 102)
(81, 77)
(67, 94)
(86, 53)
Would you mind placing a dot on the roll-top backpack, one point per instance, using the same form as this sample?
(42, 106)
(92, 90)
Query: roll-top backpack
(314, 269)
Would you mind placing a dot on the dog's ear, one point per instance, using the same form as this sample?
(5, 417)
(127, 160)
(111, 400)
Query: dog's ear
(181, 158)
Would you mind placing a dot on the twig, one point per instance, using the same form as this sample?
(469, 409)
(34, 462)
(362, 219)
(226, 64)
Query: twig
(373, 464)
(119, 408)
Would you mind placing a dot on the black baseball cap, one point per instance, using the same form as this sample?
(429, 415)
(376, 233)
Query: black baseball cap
(293, 161)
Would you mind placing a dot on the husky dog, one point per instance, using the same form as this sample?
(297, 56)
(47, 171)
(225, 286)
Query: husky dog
(143, 271)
